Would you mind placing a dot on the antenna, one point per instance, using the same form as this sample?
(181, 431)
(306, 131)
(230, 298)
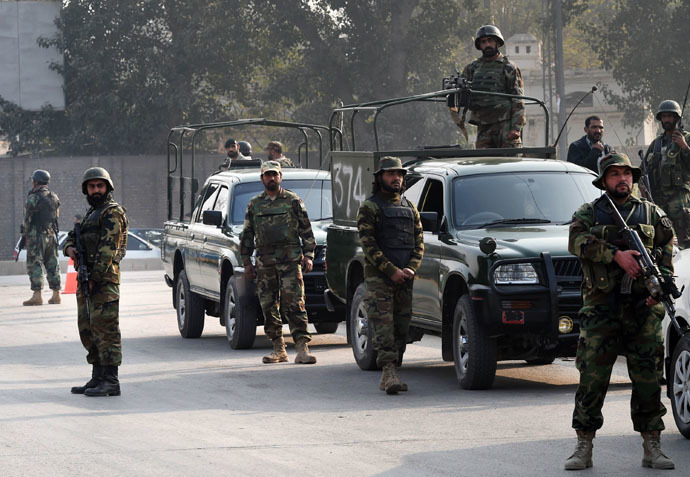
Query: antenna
(594, 88)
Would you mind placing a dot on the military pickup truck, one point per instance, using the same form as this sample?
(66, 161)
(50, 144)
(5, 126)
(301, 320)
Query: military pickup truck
(200, 245)
(497, 281)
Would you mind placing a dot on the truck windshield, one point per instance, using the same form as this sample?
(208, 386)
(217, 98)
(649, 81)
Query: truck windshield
(520, 198)
(316, 195)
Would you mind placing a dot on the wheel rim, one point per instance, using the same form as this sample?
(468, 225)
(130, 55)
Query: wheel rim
(231, 315)
(463, 346)
(361, 331)
(681, 386)
(181, 305)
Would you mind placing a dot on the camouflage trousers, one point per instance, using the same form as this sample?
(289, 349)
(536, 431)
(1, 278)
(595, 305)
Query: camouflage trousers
(495, 135)
(281, 293)
(389, 310)
(677, 207)
(635, 331)
(41, 251)
(100, 335)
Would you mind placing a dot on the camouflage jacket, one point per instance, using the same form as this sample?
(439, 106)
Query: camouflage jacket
(278, 228)
(492, 109)
(594, 246)
(668, 167)
(41, 212)
(376, 262)
(285, 162)
(109, 243)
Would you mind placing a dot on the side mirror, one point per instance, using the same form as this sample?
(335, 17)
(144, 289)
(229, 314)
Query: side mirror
(429, 221)
(212, 217)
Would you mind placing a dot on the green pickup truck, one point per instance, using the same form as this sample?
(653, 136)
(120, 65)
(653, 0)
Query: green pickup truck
(497, 281)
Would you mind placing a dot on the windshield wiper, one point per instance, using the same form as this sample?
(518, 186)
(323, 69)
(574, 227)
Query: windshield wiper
(524, 220)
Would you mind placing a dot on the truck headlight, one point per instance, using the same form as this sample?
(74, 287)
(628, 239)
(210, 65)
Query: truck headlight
(516, 274)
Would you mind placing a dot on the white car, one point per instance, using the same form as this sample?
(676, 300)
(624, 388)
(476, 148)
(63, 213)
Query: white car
(137, 248)
(678, 348)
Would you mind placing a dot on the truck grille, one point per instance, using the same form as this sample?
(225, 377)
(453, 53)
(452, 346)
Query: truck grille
(568, 267)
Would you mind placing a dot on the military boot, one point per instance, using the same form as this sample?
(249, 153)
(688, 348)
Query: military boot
(582, 457)
(653, 456)
(109, 385)
(34, 300)
(95, 380)
(279, 354)
(55, 299)
(390, 382)
(303, 355)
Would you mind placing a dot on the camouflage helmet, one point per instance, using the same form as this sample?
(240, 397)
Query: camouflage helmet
(488, 30)
(96, 173)
(389, 163)
(40, 176)
(615, 159)
(245, 148)
(668, 106)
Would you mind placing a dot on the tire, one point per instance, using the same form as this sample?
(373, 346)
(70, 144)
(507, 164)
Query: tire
(240, 321)
(541, 361)
(326, 327)
(679, 383)
(362, 334)
(190, 309)
(474, 352)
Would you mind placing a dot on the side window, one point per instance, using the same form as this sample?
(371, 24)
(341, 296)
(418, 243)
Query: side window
(432, 198)
(414, 190)
(222, 201)
(208, 200)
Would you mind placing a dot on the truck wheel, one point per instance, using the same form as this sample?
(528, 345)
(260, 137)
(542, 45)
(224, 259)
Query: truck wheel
(240, 321)
(474, 352)
(190, 309)
(326, 327)
(680, 385)
(362, 333)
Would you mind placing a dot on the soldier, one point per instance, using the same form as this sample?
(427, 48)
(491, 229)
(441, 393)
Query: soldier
(233, 152)
(275, 222)
(40, 230)
(499, 120)
(104, 238)
(668, 163)
(618, 318)
(393, 243)
(587, 150)
(274, 152)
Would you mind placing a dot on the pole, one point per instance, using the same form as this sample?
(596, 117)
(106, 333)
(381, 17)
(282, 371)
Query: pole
(560, 77)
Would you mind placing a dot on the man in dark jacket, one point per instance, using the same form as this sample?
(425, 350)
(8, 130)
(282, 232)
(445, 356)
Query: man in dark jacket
(587, 150)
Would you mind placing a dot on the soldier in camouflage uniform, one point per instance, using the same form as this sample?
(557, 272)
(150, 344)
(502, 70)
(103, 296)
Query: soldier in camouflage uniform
(274, 152)
(232, 148)
(618, 315)
(275, 223)
(393, 243)
(668, 163)
(499, 120)
(40, 230)
(104, 238)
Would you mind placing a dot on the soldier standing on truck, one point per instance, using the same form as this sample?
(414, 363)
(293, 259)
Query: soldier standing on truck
(232, 148)
(668, 162)
(499, 120)
(40, 236)
(617, 318)
(275, 223)
(274, 152)
(392, 239)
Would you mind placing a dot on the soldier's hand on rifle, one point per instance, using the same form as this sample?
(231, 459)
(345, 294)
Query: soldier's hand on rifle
(513, 134)
(72, 253)
(249, 271)
(651, 301)
(409, 273)
(678, 138)
(307, 264)
(627, 261)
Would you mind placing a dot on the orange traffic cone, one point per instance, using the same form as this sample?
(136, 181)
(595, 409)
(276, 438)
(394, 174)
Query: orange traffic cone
(70, 279)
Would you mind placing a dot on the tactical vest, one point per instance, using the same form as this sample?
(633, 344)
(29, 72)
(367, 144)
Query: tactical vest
(276, 224)
(490, 76)
(667, 169)
(46, 214)
(91, 233)
(607, 277)
(395, 230)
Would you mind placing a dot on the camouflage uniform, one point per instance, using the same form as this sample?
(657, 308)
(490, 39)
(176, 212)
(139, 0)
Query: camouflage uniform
(495, 116)
(669, 171)
(612, 322)
(285, 162)
(40, 228)
(389, 305)
(104, 235)
(276, 227)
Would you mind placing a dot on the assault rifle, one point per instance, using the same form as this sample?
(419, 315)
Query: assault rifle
(82, 271)
(645, 183)
(20, 246)
(661, 287)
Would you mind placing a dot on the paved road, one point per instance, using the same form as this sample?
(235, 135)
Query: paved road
(196, 407)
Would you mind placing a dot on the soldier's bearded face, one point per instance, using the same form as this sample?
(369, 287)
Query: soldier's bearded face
(391, 181)
(595, 131)
(271, 180)
(489, 46)
(668, 121)
(618, 181)
(232, 151)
